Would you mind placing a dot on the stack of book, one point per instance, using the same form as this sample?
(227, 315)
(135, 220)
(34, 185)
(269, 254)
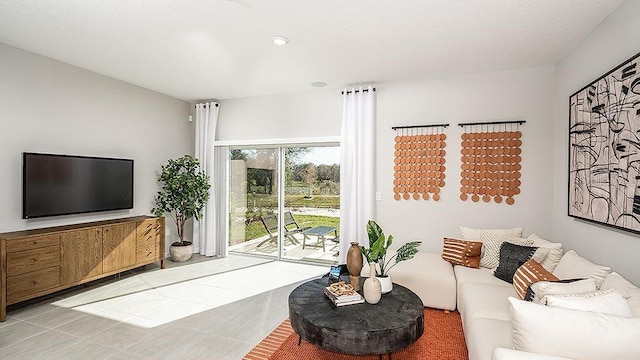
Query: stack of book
(342, 294)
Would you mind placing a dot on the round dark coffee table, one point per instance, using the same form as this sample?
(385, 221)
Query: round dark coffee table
(362, 329)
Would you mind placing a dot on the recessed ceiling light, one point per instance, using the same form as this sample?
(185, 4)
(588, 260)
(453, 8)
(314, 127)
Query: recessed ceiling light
(318, 84)
(280, 40)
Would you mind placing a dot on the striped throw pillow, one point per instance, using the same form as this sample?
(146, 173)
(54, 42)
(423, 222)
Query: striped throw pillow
(530, 272)
(462, 252)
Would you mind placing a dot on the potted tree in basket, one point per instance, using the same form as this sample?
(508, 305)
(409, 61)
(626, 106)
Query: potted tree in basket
(377, 254)
(184, 193)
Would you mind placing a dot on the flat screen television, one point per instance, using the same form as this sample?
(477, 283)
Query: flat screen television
(66, 184)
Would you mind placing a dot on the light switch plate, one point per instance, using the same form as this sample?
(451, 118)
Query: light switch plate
(378, 196)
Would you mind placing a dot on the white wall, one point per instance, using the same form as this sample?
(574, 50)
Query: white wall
(316, 113)
(48, 106)
(612, 42)
(510, 95)
(521, 94)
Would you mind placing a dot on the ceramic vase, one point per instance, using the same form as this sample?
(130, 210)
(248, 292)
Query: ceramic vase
(372, 288)
(385, 283)
(354, 265)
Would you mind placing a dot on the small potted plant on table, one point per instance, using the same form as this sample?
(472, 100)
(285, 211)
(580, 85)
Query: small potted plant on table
(184, 193)
(377, 253)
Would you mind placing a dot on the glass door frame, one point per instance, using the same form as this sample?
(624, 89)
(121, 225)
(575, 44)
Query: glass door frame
(281, 185)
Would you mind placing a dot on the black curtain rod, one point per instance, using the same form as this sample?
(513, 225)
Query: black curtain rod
(216, 105)
(519, 122)
(357, 91)
(418, 126)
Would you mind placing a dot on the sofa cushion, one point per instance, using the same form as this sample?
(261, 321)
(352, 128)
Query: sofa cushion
(632, 292)
(555, 251)
(573, 266)
(512, 256)
(469, 233)
(510, 354)
(430, 277)
(491, 243)
(530, 272)
(484, 301)
(484, 335)
(465, 275)
(573, 333)
(604, 301)
(462, 252)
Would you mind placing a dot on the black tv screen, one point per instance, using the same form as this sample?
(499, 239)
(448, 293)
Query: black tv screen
(65, 184)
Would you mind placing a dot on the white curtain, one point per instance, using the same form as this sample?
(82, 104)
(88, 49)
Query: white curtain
(221, 189)
(205, 240)
(356, 167)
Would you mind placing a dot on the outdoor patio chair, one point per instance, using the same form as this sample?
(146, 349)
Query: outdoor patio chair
(297, 227)
(291, 227)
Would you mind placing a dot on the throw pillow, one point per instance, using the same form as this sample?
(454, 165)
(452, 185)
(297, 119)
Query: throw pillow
(616, 281)
(567, 286)
(461, 252)
(512, 256)
(555, 251)
(572, 333)
(469, 233)
(573, 265)
(491, 244)
(606, 302)
(530, 272)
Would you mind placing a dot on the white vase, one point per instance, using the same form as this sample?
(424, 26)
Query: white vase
(385, 283)
(372, 288)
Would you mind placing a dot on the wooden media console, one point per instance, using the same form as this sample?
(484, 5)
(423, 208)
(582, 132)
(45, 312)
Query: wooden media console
(42, 261)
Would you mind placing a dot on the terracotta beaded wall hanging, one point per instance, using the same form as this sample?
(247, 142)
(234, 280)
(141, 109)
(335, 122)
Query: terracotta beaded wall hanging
(490, 166)
(419, 162)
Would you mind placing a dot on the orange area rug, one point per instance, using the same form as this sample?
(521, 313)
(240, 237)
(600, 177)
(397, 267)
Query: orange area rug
(442, 340)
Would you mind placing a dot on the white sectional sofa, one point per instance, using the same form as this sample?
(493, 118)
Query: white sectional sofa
(482, 300)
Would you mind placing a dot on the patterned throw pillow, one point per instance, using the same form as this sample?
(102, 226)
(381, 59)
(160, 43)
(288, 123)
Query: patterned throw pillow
(530, 272)
(538, 290)
(512, 256)
(461, 252)
(604, 301)
(491, 244)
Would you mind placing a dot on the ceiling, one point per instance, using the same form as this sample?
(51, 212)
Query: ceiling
(220, 49)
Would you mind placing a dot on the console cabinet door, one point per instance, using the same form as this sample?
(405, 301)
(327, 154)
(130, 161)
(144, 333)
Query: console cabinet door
(81, 255)
(118, 246)
(148, 241)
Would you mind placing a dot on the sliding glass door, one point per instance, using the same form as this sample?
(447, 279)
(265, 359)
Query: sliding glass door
(253, 201)
(285, 202)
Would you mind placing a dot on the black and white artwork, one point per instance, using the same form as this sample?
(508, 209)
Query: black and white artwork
(604, 149)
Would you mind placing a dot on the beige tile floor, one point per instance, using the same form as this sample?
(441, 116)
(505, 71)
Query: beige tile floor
(206, 309)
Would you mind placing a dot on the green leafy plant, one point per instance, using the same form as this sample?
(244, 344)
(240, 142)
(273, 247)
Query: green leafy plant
(184, 193)
(378, 246)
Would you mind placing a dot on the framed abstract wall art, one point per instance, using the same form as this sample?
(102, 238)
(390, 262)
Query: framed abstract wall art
(604, 149)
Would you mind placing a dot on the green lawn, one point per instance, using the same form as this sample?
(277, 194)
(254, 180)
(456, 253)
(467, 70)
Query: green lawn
(255, 229)
(293, 201)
